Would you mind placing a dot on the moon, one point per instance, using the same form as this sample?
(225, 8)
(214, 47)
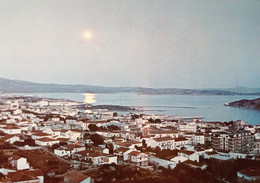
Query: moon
(88, 35)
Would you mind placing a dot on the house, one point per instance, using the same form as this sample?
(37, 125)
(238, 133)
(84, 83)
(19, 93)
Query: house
(19, 163)
(94, 157)
(168, 162)
(163, 132)
(22, 176)
(127, 144)
(195, 164)
(67, 150)
(121, 153)
(10, 129)
(178, 159)
(138, 158)
(211, 154)
(198, 138)
(191, 155)
(109, 159)
(190, 127)
(10, 138)
(75, 134)
(38, 135)
(77, 177)
(161, 142)
(99, 149)
(248, 175)
(5, 171)
(162, 162)
(46, 141)
(65, 133)
(181, 142)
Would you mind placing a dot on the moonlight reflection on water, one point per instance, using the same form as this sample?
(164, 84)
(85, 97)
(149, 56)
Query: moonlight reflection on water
(89, 98)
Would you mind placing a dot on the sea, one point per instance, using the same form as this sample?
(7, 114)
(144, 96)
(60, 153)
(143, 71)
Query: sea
(211, 108)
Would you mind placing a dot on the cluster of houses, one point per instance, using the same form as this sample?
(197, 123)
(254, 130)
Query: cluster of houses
(67, 131)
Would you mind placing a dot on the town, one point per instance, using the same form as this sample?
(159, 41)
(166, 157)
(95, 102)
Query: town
(52, 140)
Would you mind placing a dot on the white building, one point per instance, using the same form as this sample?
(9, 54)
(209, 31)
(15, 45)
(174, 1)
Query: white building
(19, 163)
(10, 129)
(161, 142)
(46, 141)
(191, 155)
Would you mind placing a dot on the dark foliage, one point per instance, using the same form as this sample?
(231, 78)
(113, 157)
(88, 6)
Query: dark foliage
(97, 139)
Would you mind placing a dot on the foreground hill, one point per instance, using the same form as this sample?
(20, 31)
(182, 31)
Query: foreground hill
(18, 86)
(245, 103)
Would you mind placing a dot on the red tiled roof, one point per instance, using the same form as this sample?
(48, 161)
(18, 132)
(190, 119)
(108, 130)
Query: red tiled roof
(122, 149)
(41, 134)
(90, 153)
(211, 153)
(46, 139)
(23, 175)
(6, 137)
(161, 139)
(10, 127)
(251, 172)
(180, 139)
(70, 147)
(75, 176)
(134, 153)
(187, 152)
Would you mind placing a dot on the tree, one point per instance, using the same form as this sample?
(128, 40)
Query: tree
(115, 114)
(113, 127)
(111, 148)
(144, 143)
(97, 139)
(30, 142)
(2, 176)
(93, 127)
(135, 116)
(150, 120)
(157, 121)
(3, 158)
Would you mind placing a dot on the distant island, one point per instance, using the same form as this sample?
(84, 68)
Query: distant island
(246, 103)
(18, 86)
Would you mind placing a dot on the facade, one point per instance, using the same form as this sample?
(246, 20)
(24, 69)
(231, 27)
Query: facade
(198, 138)
(45, 141)
(181, 141)
(161, 142)
(67, 150)
(162, 162)
(191, 155)
(138, 158)
(236, 142)
(10, 129)
(19, 163)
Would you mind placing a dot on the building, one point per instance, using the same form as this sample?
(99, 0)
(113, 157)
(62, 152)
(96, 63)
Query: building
(77, 177)
(19, 163)
(161, 142)
(138, 158)
(67, 150)
(191, 155)
(248, 175)
(242, 141)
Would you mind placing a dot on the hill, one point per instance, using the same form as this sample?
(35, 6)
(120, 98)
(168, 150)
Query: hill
(18, 86)
(245, 103)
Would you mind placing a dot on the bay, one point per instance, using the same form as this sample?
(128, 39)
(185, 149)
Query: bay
(210, 107)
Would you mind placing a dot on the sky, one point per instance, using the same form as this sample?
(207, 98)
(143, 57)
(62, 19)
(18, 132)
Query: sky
(149, 43)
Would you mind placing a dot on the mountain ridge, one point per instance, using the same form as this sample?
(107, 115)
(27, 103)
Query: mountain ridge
(20, 86)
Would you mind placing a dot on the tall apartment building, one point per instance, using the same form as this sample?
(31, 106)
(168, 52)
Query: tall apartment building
(240, 141)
